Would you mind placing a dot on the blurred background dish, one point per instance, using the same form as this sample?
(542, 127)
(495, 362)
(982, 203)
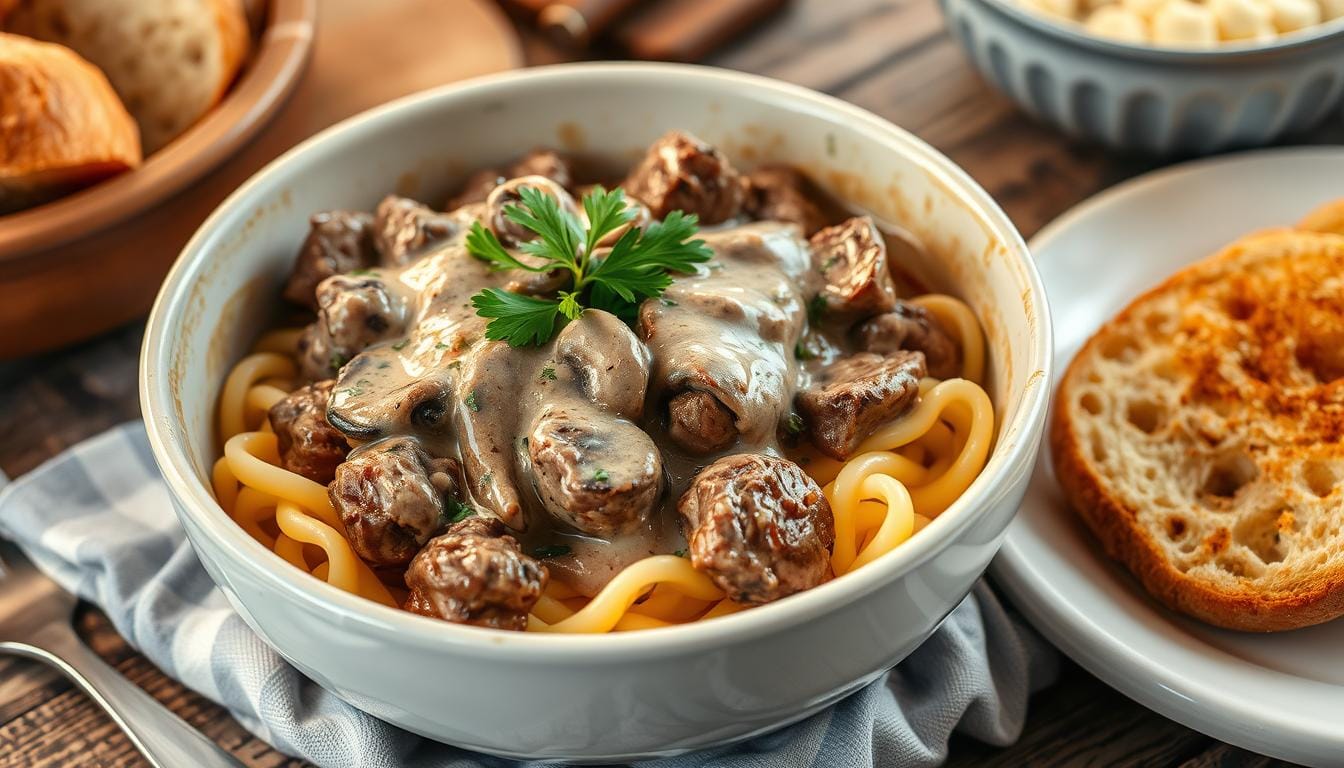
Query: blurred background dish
(93, 260)
(1143, 98)
(1191, 24)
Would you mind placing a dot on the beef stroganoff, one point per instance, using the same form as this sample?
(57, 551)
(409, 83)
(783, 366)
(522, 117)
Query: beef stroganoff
(555, 407)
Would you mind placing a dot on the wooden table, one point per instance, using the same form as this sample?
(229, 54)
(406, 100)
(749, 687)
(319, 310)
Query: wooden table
(891, 56)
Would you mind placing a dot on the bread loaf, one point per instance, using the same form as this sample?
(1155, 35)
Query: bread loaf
(1200, 435)
(169, 60)
(61, 125)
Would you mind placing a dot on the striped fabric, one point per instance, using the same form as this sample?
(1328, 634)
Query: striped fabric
(98, 520)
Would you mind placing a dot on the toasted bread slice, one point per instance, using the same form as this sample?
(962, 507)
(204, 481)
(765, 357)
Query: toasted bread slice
(1198, 434)
(61, 125)
(170, 60)
(1327, 218)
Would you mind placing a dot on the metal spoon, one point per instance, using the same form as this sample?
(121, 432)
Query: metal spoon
(35, 623)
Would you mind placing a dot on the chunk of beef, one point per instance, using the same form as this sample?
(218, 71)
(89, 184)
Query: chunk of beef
(781, 193)
(594, 471)
(758, 526)
(547, 163)
(475, 574)
(742, 377)
(855, 395)
(852, 259)
(309, 446)
(538, 162)
(337, 242)
(909, 326)
(353, 313)
(698, 422)
(476, 188)
(392, 498)
(403, 229)
(680, 172)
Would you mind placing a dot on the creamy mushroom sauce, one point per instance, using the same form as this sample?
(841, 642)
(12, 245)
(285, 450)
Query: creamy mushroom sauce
(737, 320)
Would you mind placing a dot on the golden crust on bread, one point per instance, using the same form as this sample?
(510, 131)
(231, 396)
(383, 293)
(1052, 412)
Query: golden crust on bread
(1328, 218)
(61, 124)
(170, 61)
(1198, 434)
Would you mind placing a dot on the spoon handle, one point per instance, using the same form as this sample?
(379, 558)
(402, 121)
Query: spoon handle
(163, 738)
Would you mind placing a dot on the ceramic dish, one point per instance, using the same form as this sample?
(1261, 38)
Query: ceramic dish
(604, 697)
(1280, 694)
(1148, 99)
(45, 247)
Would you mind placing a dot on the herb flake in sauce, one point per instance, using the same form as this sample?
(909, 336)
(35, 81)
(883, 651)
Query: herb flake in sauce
(550, 550)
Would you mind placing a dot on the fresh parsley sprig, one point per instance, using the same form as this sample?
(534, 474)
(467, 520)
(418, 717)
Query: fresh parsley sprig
(635, 268)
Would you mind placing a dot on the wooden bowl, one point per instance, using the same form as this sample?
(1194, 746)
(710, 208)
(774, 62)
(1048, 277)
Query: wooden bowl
(90, 262)
(64, 274)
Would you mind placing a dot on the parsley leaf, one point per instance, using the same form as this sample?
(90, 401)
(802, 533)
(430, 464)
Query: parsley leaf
(607, 212)
(816, 309)
(519, 320)
(550, 550)
(558, 231)
(635, 268)
(483, 244)
(461, 511)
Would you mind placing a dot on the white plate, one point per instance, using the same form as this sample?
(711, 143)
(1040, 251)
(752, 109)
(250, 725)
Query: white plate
(1279, 694)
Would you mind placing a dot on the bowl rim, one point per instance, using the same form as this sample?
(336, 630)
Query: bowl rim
(195, 502)
(269, 76)
(1223, 54)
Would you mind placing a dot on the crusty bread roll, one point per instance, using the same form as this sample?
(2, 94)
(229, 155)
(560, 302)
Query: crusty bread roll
(1198, 434)
(170, 60)
(61, 124)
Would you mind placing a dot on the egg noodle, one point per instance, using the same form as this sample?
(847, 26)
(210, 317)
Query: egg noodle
(903, 475)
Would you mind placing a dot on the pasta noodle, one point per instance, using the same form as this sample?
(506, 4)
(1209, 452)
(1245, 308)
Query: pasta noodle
(903, 476)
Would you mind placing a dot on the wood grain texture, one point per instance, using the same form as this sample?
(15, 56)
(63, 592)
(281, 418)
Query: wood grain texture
(890, 56)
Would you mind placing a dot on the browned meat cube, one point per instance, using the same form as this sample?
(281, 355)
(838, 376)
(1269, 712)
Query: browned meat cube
(403, 229)
(853, 396)
(909, 326)
(544, 162)
(353, 313)
(594, 471)
(538, 162)
(781, 193)
(337, 242)
(309, 445)
(392, 497)
(682, 173)
(758, 526)
(852, 259)
(476, 188)
(475, 574)
(698, 422)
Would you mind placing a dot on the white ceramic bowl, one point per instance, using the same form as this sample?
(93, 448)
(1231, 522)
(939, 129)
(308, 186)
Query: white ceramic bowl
(616, 696)
(1149, 99)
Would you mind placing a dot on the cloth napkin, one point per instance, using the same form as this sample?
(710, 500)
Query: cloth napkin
(98, 520)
